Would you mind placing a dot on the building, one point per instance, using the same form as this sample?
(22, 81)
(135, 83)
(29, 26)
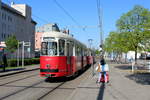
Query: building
(48, 28)
(16, 20)
(41, 30)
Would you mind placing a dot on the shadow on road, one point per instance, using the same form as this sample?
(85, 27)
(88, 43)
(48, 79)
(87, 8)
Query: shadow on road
(141, 78)
(101, 92)
(124, 67)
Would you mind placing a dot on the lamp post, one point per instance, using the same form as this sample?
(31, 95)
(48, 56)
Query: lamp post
(90, 42)
(90, 45)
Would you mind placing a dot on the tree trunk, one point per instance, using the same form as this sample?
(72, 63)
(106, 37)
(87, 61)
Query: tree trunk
(136, 55)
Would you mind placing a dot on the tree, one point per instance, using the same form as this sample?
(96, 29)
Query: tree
(11, 44)
(97, 52)
(116, 43)
(135, 25)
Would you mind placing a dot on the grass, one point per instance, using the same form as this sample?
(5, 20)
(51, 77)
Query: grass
(12, 67)
(141, 71)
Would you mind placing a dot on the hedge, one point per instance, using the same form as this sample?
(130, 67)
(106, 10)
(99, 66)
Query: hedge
(13, 62)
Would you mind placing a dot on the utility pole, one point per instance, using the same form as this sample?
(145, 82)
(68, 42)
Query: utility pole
(22, 54)
(18, 55)
(100, 17)
(101, 27)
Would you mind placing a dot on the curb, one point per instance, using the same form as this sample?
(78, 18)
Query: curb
(18, 72)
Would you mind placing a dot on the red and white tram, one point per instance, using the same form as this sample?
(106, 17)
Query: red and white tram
(62, 55)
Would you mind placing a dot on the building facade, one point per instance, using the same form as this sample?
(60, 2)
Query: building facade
(41, 30)
(16, 20)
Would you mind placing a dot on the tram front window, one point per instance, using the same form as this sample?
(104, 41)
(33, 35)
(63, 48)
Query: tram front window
(49, 48)
(52, 48)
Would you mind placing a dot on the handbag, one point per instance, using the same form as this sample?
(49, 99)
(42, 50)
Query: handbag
(99, 68)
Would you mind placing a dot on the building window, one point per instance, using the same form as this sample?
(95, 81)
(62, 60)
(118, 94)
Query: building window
(9, 19)
(4, 36)
(2, 15)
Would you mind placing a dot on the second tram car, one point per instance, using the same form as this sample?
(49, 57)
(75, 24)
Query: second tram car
(62, 55)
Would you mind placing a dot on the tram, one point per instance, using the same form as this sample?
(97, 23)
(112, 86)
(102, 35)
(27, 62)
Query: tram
(62, 55)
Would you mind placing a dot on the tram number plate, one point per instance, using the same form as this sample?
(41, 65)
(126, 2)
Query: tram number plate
(48, 75)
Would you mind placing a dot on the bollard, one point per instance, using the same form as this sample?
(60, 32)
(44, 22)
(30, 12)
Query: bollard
(133, 63)
(149, 66)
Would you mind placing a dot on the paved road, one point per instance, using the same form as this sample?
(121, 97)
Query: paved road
(30, 86)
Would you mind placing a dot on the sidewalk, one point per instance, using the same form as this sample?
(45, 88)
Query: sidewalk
(119, 88)
(88, 89)
(19, 70)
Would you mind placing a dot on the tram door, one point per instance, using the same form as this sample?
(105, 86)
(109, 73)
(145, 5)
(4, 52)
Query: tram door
(69, 47)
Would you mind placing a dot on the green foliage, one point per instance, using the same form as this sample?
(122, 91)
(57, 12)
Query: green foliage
(97, 52)
(116, 43)
(136, 24)
(11, 43)
(133, 31)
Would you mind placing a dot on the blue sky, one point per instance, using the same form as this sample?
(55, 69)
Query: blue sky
(84, 12)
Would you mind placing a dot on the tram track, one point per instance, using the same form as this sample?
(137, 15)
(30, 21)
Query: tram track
(41, 97)
(18, 91)
(19, 79)
(43, 88)
(61, 85)
(32, 86)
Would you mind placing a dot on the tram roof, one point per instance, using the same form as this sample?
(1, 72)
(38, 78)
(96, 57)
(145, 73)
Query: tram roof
(60, 35)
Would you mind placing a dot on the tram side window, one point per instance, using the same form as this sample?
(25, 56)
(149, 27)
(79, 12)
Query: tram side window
(61, 47)
(79, 51)
(44, 48)
(71, 48)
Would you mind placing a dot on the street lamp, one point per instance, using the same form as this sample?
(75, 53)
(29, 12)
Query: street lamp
(90, 45)
(90, 42)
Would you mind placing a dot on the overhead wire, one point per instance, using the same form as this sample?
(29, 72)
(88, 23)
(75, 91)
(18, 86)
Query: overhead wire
(61, 7)
(68, 14)
(65, 11)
